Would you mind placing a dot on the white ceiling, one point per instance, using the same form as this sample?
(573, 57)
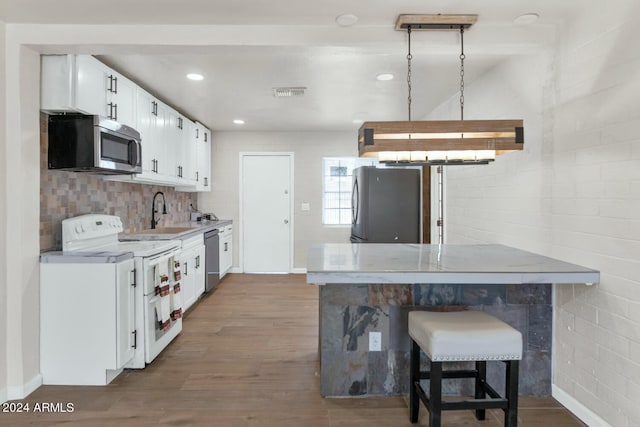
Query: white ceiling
(299, 43)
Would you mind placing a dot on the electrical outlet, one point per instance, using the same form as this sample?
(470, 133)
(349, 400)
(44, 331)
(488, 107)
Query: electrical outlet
(375, 341)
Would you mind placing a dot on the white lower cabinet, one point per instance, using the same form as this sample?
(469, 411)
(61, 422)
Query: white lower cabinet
(87, 321)
(193, 274)
(226, 249)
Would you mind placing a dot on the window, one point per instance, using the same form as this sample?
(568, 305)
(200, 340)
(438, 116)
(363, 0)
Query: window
(336, 188)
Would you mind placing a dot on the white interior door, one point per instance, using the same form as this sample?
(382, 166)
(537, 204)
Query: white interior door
(266, 212)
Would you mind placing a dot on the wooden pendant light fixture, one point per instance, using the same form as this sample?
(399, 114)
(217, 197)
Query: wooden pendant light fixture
(448, 142)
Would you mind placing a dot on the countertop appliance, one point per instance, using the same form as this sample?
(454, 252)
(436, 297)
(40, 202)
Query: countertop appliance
(385, 205)
(141, 275)
(85, 143)
(212, 259)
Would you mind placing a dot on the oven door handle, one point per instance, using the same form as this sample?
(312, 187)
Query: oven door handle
(168, 253)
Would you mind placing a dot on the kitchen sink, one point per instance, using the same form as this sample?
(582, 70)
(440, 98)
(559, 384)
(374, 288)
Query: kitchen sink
(165, 230)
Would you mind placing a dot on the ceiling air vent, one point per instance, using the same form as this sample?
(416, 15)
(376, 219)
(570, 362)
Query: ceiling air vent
(280, 92)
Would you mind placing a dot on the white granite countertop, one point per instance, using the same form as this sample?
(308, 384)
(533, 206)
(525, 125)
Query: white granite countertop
(415, 263)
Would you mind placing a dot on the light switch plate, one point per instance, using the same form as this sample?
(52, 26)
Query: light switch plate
(305, 207)
(375, 341)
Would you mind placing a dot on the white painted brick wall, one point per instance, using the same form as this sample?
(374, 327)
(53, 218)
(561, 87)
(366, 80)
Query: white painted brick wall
(573, 193)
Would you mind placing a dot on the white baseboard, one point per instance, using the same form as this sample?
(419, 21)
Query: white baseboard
(293, 271)
(578, 409)
(24, 390)
(3, 395)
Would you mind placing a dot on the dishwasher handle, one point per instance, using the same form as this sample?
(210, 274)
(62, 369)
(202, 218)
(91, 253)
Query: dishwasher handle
(212, 233)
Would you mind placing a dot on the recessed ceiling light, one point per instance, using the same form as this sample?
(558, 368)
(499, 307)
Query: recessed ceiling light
(346, 20)
(357, 121)
(526, 19)
(195, 76)
(238, 122)
(383, 77)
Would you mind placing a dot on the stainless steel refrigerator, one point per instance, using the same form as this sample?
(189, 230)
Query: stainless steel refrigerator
(385, 205)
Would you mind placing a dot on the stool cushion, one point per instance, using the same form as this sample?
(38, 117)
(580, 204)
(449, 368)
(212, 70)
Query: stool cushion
(464, 335)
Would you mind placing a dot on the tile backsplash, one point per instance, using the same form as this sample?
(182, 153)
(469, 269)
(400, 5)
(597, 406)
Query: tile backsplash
(68, 194)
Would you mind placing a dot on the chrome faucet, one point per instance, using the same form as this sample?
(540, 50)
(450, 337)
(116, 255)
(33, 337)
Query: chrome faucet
(154, 211)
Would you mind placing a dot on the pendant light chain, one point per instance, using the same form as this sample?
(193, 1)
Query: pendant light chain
(462, 57)
(409, 58)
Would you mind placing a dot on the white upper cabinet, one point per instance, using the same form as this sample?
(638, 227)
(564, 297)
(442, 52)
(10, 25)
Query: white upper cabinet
(182, 147)
(122, 100)
(150, 123)
(200, 159)
(91, 85)
(81, 83)
(189, 155)
(175, 150)
(203, 158)
(164, 165)
(176, 137)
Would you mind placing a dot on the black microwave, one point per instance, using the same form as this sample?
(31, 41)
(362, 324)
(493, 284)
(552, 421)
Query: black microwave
(88, 143)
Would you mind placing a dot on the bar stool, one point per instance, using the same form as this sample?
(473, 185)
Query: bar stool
(462, 336)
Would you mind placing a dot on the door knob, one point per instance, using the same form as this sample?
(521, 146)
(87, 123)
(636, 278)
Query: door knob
(286, 221)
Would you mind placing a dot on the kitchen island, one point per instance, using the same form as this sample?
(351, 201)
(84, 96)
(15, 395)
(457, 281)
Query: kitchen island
(372, 287)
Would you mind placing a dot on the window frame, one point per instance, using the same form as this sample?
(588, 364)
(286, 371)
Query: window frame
(353, 163)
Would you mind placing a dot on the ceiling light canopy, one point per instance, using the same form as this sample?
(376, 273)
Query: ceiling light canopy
(346, 20)
(442, 142)
(288, 91)
(383, 77)
(434, 22)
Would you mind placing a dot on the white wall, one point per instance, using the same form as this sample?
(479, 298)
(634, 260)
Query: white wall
(506, 201)
(574, 193)
(3, 223)
(20, 164)
(309, 148)
(596, 210)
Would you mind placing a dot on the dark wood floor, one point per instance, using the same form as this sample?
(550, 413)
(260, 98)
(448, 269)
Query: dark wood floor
(247, 356)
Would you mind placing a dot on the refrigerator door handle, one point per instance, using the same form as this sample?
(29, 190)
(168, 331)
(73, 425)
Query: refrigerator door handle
(355, 200)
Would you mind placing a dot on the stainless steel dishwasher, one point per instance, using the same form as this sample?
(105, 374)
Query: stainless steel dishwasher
(212, 259)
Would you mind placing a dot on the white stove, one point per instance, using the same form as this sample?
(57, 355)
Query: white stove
(99, 233)
(100, 293)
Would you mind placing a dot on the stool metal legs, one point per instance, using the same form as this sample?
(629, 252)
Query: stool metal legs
(481, 367)
(511, 394)
(414, 375)
(434, 403)
(435, 394)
